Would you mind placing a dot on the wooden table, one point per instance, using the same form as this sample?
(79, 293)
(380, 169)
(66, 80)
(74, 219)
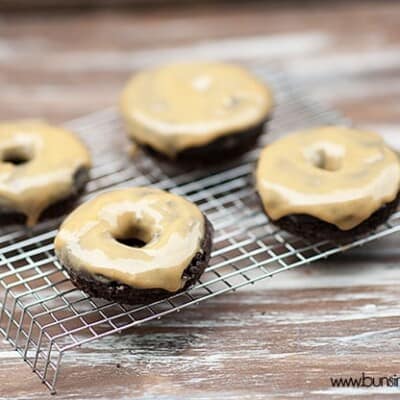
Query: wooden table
(285, 337)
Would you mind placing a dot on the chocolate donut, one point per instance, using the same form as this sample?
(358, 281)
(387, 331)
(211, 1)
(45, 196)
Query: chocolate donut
(195, 112)
(42, 170)
(135, 245)
(329, 183)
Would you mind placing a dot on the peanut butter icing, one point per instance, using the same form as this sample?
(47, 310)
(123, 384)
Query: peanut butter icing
(49, 158)
(171, 227)
(337, 174)
(190, 104)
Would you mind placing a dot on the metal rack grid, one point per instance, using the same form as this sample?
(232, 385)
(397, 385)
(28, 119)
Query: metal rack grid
(43, 315)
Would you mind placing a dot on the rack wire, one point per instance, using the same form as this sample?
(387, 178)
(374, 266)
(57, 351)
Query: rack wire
(43, 315)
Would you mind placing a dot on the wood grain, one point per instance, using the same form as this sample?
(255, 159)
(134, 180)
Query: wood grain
(285, 337)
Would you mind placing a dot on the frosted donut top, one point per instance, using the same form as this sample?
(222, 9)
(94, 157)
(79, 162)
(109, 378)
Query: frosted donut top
(51, 156)
(184, 105)
(337, 174)
(171, 228)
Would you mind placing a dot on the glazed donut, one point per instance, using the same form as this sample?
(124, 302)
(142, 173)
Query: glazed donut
(40, 165)
(196, 111)
(174, 245)
(328, 182)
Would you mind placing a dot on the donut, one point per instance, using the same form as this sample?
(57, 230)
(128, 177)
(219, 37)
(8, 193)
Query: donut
(329, 182)
(134, 245)
(42, 170)
(196, 112)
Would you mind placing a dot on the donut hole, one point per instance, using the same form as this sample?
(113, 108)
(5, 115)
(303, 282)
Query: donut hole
(16, 155)
(133, 237)
(327, 157)
(131, 242)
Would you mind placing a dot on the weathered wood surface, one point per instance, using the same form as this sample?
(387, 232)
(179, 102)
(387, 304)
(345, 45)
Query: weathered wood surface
(285, 337)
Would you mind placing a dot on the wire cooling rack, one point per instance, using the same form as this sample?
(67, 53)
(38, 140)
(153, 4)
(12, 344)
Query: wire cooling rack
(43, 315)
